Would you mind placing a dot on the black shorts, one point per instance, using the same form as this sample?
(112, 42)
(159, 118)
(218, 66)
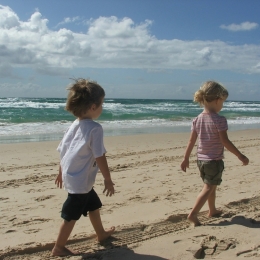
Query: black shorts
(79, 204)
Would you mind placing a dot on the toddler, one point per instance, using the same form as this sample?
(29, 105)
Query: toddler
(211, 131)
(82, 152)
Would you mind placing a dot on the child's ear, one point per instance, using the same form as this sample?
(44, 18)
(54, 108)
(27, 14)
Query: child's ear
(93, 107)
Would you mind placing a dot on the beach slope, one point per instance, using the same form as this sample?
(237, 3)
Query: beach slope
(152, 200)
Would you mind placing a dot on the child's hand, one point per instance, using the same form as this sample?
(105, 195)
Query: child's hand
(58, 180)
(109, 187)
(185, 164)
(243, 159)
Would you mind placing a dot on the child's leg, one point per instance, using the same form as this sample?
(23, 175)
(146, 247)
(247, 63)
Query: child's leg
(65, 230)
(95, 219)
(211, 202)
(201, 200)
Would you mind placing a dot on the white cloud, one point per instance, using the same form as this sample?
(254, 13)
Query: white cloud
(256, 68)
(245, 26)
(68, 20)
(112, 43)
(8, 19)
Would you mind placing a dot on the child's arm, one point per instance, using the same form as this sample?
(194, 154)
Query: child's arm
(58, 180)
(192, 141)
(231, 147)
(103, 167)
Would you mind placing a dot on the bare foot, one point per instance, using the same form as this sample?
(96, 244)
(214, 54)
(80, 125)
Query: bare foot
(215, 213)
(106, 234)
(56, 251)
(194, 220)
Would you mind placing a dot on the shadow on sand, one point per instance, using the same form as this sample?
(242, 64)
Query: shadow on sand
(119, 254)
(238, 220)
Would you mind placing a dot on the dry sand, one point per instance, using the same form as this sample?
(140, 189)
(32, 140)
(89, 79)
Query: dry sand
(149, 209)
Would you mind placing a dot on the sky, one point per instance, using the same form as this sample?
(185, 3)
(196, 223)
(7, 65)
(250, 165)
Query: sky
(134, 49)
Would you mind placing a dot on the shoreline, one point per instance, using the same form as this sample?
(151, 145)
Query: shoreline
(124, 132)
(150, 190)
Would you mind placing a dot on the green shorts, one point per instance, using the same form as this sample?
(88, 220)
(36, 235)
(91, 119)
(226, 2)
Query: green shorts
(211, 171)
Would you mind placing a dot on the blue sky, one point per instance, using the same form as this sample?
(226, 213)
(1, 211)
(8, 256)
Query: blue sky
(134, 49)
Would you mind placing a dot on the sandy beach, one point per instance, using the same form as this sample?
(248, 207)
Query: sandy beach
(149, 210)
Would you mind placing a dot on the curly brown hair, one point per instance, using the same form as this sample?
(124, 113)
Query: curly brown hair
(82, 95)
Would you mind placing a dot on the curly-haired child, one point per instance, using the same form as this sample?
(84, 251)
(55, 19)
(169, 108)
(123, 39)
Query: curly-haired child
(211, 131)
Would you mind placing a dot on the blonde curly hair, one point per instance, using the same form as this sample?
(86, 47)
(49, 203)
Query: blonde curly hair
(209, 91)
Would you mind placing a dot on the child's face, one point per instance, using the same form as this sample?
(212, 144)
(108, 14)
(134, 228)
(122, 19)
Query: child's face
(96, 111)
(93, 112)
(219, 104)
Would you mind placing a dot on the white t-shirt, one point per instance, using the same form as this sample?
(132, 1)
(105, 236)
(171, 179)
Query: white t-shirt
(81, 144)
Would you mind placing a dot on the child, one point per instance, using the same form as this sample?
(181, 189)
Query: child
(82, 152)
(211, 130)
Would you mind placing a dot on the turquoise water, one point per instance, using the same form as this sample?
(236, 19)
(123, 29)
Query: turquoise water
(39, 119)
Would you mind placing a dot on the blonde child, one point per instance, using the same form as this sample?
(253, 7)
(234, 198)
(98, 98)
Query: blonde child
(211, 130)
(82, 152)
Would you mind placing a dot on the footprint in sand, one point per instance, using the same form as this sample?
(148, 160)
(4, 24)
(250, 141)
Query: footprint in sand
(211, 246)
(254, 251)
(155, 199)
(42, 198)
(2, 198)
(10, 231)
(30, 222)
(136, 198)
(177, 218)
(33, 190)
(30, 231)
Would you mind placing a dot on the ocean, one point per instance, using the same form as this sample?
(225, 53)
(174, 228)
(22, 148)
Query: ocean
(44, 119)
